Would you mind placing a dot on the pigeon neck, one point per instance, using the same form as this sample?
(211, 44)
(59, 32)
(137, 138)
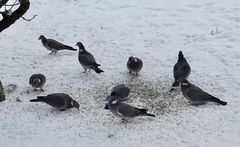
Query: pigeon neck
(44, 40)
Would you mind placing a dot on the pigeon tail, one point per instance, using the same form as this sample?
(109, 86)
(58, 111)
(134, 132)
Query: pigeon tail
(69, 48)
(152, 115)
(39, 99)
(175, 84)
(144, 113)
(35, 100)
(214, 99)
(222, 103)
(98, 70)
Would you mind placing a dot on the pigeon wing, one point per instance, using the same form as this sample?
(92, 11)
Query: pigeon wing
(85, 60)
(55, 44)
(57, 102)
(198, 95)
(126, 110)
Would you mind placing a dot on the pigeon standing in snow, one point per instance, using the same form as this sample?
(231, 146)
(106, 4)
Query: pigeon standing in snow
(54, 45)
(134, 64)
(195, 95)
(125, 111)
(180, 69)
(87, 60)
(60, 101)
(37, 81)
(119, 92)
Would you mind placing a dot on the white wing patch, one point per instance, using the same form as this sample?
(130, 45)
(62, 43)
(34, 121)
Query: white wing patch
(135, 59)
(114, 102)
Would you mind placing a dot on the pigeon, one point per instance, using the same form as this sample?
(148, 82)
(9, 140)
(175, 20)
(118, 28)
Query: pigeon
(134, 64)
(37, 81)
(54, 45)
(196, 95)
(125, 111)
(60, 101)
(119, 92)
(180, 69)
(87, 60)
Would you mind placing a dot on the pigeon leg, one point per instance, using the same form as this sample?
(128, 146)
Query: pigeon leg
(51, 52)
(85, 70)
(171, 89)
(124, 120)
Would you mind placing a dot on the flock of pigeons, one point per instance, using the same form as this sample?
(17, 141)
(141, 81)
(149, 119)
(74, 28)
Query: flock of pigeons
(61, 101)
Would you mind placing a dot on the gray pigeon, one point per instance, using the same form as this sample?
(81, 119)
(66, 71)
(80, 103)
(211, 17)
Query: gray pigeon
(119, 92)
(37, 81)
(180, 69)
(195, 95)
(60, 101)
(87, 60)
(125, 111)
(54, 45)
(134, 64)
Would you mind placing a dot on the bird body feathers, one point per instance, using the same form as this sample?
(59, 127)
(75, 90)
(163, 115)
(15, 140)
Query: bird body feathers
(37, 81)
(134, 64)
(87, 60)
(54, 45)
(125, 111)
(180, 69)
(59, 101)
(196, 95)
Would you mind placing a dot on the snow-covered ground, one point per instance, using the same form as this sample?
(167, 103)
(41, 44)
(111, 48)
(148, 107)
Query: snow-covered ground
(206, 31)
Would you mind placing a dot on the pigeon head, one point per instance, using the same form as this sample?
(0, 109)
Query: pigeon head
(41, 37)
(36, 82)
(81, 46)
(180, 55)
(183, 81)
(132, 59)
(75, 104)
(111, 99)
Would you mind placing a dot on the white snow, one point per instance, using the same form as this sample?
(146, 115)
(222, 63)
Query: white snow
(206, 31)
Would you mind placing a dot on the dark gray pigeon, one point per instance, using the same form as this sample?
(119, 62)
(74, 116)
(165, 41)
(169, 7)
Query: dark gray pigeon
(37, 81)
(125, 111)
(60, 101)
(54, 45)
(87, 60)
(120, 92)
(195, 95)
(134, 64)
(180, 69)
